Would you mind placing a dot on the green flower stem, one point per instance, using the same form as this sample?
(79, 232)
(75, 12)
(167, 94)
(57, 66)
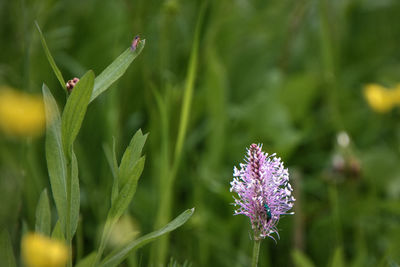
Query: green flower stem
(256, 252)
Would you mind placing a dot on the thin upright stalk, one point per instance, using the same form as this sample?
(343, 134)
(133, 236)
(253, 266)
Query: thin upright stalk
(165, 206)
(334, 199)
(256, 252)
(110, 222)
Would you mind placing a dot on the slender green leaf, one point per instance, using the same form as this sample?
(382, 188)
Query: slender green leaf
(75, 110)
(118, 255)
(58, 232)
(127, 192)
(53, 65)
(174, 263)
(159, 253)
(87, 261)
(189, 87)
(75, 195)
(115, 188)
(301, 260)
(111, 157)
(130, 157)
(6, 252)
(112, 161)
(338, 259)
(115, 70)
(25, 228)
(55, 156)
(109, 225)
(43, 214)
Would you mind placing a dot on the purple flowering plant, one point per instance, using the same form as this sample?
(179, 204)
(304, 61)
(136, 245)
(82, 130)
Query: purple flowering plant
(264, 192)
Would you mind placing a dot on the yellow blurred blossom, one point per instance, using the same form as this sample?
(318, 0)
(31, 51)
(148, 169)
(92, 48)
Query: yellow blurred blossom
(21, 114)
(41, 251)
(382, 99)
(125, 230)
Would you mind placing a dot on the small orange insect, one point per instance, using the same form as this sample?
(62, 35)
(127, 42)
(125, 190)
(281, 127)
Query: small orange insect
(135, 42)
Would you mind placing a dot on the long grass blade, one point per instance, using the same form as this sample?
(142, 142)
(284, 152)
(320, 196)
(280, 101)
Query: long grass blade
(118, 255)
(50, 58)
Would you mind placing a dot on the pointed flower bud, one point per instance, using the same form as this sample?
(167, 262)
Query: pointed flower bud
(71, 84)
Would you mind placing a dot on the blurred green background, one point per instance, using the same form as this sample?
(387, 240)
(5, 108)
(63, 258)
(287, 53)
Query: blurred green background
(288, 74)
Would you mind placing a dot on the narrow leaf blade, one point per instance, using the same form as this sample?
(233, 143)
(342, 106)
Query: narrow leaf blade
(111, 158)
(112, 161)
(55, 156)
(131, 156)
(43, 214)
(75, 110)
(127, 192)
(338, 258)
(58, 232)
(6, 252)
(301, 260)
(118, 255)
(115, 70)
(88, 261)
(50, 58)
(75, 195)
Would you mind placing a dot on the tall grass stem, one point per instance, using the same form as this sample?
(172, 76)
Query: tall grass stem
(165, 205)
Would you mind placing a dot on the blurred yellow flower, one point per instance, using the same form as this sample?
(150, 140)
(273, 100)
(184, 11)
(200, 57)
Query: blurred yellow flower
(125, 229)
(21, 114)
(382, 99)
(41, 251)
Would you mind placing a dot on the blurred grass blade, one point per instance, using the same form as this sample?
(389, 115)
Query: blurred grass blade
(58, 232)
(111, 157)
(87, 261)
(174, 263)
(75, 110)
(55, 157)
(338, 259)
(6, 252)
(130, 157)
(159, 253)
(301, 260)
(118, 255)
(189, 87)
(115, 70)
(43, 214)
(53, 65)
(75, 195)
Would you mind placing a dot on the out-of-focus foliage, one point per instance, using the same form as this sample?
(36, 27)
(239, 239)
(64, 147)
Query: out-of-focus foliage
(288, 74)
